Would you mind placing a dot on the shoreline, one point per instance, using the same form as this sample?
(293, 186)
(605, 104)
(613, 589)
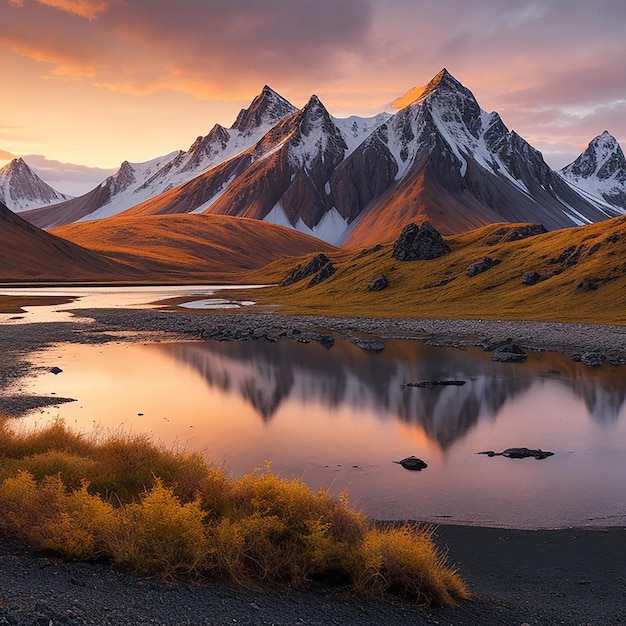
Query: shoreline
(565, 576)
(570, 576)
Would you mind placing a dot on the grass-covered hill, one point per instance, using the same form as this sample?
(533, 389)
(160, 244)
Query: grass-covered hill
(575, 274)
(189, 247)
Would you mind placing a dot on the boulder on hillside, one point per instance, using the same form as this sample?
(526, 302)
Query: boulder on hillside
(531, 278)
(419, 243)
(326, 272)
(378, 284)
(481, 266)
(516, 233)
(304, 271)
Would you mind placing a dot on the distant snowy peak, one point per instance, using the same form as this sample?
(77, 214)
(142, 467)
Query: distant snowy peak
(266, 109)
(600, 171)
(21, 189)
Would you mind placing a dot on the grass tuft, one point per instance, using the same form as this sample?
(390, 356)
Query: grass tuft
(171, 514)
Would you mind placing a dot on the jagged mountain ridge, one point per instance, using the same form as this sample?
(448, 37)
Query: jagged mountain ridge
(21, 189)
(600, 171)
(135, 183)
(444, 159)
(359, 181)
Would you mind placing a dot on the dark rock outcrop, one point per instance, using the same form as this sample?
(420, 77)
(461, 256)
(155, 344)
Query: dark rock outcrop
(515, 233)
(531, 278)
(301, 272)
(326, 272)
(481, 266)
(419, 243)
(378, 284)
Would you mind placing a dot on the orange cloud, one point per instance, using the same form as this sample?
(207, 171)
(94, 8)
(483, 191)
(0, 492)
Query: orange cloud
(66, 65)
(88, 9)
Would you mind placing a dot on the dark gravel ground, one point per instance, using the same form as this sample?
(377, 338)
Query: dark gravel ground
(571, 577)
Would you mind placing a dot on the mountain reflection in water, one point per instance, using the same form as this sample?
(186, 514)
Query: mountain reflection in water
(338, 418)
(267, 374)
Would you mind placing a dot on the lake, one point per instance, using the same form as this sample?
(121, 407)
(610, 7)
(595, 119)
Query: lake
(338, 418)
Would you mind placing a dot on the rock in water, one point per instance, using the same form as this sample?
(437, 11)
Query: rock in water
(412, 463)
(509, 353)
(417, 243)
(520, 453)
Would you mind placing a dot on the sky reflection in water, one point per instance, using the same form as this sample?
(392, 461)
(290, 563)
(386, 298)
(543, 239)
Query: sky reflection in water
(340, 417)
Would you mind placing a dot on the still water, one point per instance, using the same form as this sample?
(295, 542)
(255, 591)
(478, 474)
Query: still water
(338, 418)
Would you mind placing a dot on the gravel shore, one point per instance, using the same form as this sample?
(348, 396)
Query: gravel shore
(572, 577)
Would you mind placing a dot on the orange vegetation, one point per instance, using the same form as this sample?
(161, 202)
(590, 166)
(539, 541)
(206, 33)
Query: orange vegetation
(582, 278)
(189, 247)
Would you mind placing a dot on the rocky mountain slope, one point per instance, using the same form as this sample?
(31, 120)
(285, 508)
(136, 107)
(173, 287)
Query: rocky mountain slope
(21, 189)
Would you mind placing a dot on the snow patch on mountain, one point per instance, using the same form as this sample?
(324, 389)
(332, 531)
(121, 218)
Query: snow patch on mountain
(356, 129)
(331, 228)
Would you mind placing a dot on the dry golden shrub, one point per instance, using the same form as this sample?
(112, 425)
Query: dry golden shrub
(159, 535)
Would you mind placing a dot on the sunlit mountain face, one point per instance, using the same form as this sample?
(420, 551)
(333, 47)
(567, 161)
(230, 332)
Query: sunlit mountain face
(357, 181)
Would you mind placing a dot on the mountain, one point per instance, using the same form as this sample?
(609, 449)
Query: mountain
(189, 247)
(21, 189)
(356, 181)
(444, 159)
(27, 254)
(283, 179)
(600, 171)
(135, 183)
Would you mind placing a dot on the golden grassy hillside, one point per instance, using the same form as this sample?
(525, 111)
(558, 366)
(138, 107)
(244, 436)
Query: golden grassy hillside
(583, 279)
(190, 247)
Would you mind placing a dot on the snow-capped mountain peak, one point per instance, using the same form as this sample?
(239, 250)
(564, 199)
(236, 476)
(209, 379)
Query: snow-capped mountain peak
(315, 136)
(21, 189)
(601, 171)
(266, 109)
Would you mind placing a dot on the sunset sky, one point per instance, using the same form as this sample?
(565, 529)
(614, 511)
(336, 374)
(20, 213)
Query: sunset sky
(96, 82)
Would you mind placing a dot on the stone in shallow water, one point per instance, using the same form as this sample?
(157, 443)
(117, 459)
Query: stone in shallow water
(520, 453)
(412, 463)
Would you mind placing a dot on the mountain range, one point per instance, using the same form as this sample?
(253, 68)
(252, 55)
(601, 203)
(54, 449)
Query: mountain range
(358, 181)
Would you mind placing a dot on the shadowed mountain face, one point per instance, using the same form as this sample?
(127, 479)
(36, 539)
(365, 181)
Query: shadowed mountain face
(359, 181)
(268, 375)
